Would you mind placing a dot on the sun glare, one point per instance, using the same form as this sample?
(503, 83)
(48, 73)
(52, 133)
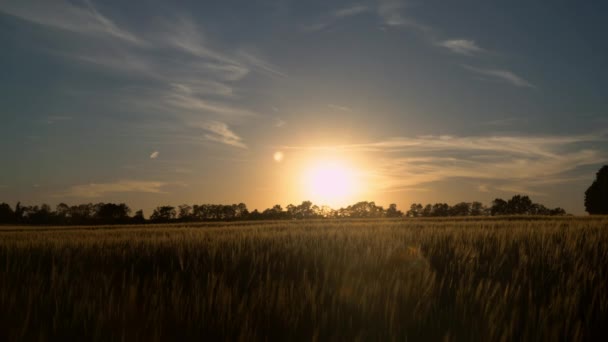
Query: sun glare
(331, 183)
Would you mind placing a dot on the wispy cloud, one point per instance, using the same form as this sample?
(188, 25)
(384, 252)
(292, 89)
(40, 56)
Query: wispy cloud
(198, 104)
(220, 132)
(350, 11)
(154, 155)
(508, 161)
(94, 190)
(391, 12)
(505, 76)
(461, 46)
(339, 14)
(186, 77)
(79, 17)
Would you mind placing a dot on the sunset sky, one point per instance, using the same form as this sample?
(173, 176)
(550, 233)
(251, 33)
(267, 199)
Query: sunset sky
(275, 102)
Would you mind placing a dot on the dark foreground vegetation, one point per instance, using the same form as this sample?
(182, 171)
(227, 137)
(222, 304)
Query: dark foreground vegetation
(110, 213)
(425, 280)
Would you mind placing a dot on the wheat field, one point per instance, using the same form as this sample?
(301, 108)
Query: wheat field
(415, 279)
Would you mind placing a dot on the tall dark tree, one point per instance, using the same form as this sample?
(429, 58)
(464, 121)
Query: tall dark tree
(112, 213)
(138, 217)
(596, 197)
(163, 214)
(415, 210)
(7, 215)
(441, 209)
(185, 212)
(477, 209)
(460, 209)
(19, 212)
(62, 212)
(392, 211)
(519, 205)
(499, 207)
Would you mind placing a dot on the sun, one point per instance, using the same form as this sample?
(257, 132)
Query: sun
(334, 183)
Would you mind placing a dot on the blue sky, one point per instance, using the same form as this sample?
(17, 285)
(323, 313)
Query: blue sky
(186, 102)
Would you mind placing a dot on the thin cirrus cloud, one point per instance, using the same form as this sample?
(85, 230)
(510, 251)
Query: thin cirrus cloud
(461, 46)
(339, 14)
(220, 132)
(95, 190)
(83, 18)
(350, 11)
(154, 155)
(504, 76)
(390, 13)
(524, 162)
(191, 78)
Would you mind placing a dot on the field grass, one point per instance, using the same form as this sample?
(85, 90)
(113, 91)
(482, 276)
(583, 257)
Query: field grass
(417, 279)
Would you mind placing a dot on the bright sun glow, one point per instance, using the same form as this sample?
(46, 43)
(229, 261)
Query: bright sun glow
(331, 183)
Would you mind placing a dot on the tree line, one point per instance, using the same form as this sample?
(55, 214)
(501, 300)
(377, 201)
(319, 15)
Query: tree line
(111, 213)
(517, 205)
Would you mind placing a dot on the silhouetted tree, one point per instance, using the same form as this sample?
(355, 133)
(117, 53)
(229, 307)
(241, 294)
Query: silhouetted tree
(302, 211)
(7, 215)
(138, 218)
(19, 212)
(62, 213)
(255, 215)
(325, 211)
(557, 212)
(274, 213)
(499, 207)
(392, 211)
(112, 213)
(427, 211)
(36, 214)
(596, 196)
(415, 210)
(185, 212)
(81, 214)
(519, 205)
(477, 209)
(241, 211)
(441, 209)
(460, 209)
(163, 214)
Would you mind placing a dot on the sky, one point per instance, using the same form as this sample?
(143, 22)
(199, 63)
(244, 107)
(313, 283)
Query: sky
(275, 102)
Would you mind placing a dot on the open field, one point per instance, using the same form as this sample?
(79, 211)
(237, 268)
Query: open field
(418, 279)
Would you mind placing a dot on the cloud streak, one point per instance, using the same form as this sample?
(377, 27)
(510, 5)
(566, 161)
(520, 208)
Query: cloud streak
(504, 76)
(461, 46)
(186, 79)
(334, 16)
(220, 132)
(95, 190)
(75, 17)
(526, 162)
